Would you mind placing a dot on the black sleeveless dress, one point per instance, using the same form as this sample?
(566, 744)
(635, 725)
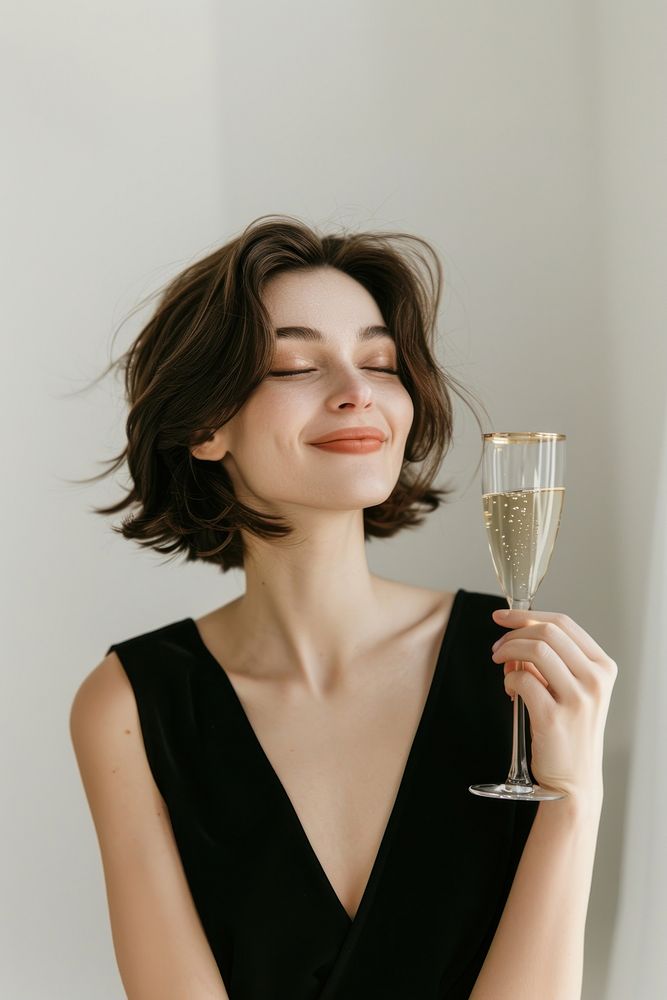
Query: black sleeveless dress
(445, 864)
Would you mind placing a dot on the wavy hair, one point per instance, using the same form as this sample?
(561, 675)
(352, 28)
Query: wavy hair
(208, 345)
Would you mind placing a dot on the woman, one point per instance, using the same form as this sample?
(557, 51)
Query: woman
(280, 787)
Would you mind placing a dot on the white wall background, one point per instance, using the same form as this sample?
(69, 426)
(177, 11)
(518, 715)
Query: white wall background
(525, 141)
(631, 41)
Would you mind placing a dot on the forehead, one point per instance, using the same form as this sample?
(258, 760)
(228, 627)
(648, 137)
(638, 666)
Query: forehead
(322, 304)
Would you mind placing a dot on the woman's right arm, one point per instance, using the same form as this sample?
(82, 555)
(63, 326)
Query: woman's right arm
(159, 943)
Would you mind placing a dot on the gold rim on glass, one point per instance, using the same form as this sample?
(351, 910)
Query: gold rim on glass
(518, 437)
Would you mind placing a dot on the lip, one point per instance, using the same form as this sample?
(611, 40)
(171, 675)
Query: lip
(351, 433)
(352, 446)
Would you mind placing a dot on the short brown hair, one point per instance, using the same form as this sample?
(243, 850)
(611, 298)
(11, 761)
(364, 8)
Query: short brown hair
(209, 344)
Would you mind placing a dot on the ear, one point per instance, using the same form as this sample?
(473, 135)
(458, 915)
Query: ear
(211, 450)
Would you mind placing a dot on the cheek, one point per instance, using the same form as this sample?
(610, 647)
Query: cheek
(405, 410)
(268, 431)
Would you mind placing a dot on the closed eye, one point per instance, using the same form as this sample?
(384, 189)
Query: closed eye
(301, 371)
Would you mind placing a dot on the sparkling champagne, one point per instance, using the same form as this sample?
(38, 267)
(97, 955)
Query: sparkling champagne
(521, 528)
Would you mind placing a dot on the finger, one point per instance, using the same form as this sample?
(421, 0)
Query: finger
(514, 617)
(539, 702)
(562, 683)
(567, 649)
(527, 665)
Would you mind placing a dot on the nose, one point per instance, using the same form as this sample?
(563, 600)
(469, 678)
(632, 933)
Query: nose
(351, 389)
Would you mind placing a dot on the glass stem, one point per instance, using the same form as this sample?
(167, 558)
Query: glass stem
(518, 773)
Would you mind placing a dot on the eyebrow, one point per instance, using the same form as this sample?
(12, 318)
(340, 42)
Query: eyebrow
(309, 333)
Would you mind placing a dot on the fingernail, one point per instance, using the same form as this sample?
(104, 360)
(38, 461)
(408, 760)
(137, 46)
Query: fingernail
(496, 644)
(502, 612)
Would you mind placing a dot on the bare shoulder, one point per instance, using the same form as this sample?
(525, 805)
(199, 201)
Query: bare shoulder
(160, 944)
(104, 705)
(107, 740)
(103, 697)
(108, 675)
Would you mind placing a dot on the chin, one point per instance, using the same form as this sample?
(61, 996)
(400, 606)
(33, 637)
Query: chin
(358, 499)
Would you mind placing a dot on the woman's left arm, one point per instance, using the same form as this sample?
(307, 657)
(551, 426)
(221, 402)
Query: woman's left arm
(538, 947)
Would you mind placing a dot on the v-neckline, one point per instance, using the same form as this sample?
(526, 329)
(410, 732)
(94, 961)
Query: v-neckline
(426, 711)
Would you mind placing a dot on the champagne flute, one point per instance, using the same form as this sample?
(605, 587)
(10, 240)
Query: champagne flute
(522, 499)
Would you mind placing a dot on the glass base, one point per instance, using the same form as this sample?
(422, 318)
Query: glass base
(520, 793)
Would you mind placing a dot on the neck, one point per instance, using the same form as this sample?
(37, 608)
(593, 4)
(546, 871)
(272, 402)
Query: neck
(312, 601)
